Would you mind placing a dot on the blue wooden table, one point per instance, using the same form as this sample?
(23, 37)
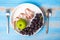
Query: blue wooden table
(54, 21)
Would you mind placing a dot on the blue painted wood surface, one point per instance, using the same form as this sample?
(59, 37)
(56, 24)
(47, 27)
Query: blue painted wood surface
(54, 21)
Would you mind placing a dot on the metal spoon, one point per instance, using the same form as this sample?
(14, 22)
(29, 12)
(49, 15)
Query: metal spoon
(48, 12)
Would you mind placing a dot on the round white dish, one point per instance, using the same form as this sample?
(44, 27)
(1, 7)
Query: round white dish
(21, 9)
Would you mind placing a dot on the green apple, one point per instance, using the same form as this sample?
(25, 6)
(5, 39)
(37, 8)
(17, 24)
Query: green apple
(21, 24)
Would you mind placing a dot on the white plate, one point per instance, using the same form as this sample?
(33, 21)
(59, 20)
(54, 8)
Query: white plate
(21, 9)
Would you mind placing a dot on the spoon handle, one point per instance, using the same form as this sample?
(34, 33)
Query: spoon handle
(47, 25)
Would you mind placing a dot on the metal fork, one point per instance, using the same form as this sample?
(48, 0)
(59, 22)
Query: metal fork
(8, 17)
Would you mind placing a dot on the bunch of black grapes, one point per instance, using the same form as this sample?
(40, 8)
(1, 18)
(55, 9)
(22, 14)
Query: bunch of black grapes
(36, 23)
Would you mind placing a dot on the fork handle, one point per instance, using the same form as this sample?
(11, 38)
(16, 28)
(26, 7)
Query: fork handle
(8, 24)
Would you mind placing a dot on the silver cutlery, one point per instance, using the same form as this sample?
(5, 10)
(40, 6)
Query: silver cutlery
(48, 13)
(8, 17)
